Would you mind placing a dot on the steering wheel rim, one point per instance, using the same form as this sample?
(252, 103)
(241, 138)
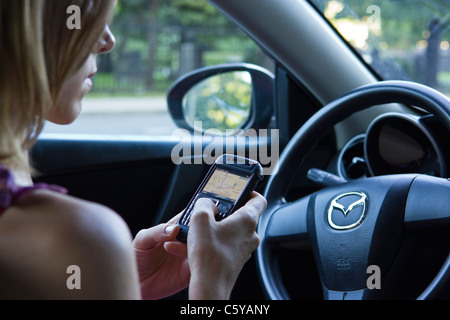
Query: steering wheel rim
(304, 140)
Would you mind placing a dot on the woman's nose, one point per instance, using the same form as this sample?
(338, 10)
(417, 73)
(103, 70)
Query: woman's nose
(107, 41)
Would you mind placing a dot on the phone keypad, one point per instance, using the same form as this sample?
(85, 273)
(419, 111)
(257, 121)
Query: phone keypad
(223, 210)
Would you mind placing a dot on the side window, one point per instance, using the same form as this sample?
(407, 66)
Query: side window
(156, 43)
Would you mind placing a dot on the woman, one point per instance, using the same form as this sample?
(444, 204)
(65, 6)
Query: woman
(46, 70)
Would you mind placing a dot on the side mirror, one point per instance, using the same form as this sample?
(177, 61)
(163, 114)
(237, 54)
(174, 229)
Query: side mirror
(224, 97)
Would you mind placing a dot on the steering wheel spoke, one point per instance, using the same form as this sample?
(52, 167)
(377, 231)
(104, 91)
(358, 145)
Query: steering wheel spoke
(428, 205)
(288, 224)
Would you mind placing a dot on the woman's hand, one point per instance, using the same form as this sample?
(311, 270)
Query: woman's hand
(210, 262)
(218, 250)
(161, 272)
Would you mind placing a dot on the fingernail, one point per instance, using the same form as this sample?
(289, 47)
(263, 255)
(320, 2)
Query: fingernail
(169, 229)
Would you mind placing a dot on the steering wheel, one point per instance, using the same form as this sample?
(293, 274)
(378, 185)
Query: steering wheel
(358, 224)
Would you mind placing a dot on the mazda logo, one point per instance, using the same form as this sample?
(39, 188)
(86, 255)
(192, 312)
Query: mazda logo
(347, 211)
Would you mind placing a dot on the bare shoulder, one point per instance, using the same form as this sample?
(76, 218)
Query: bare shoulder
(47, 215)
(45, 234)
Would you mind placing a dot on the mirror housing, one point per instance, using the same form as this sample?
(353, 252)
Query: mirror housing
(261, 104)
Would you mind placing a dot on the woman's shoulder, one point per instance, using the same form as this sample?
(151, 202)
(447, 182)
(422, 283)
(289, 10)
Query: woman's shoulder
(48, 211)
(46, 233)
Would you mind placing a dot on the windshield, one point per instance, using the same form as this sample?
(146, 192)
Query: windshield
(399, 39)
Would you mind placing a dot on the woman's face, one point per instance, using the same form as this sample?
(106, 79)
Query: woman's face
(69, 105)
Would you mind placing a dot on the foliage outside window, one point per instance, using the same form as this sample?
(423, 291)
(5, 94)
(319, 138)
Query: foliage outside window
(400, 39)
(159, 41)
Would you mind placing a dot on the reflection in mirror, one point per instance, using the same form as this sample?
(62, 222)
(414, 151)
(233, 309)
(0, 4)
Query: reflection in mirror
(221, 102)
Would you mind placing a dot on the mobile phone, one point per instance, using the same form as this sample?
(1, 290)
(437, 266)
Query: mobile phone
(229, 184)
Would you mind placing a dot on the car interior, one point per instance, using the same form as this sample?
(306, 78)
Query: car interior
(348, 142)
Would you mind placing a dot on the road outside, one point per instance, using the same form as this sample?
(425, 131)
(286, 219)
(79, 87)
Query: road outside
(121, 116)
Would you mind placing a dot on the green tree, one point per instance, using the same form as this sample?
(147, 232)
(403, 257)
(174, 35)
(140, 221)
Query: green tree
(404, 24)
(153, 35)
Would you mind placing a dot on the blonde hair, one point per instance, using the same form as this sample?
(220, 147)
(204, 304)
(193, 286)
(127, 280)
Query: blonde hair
(38, 54)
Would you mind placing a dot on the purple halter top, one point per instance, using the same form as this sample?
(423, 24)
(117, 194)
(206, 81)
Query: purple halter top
(9, 192)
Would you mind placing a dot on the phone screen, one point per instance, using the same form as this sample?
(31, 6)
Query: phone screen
(226, 184)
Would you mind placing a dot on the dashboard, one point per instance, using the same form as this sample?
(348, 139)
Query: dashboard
(397, 143)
